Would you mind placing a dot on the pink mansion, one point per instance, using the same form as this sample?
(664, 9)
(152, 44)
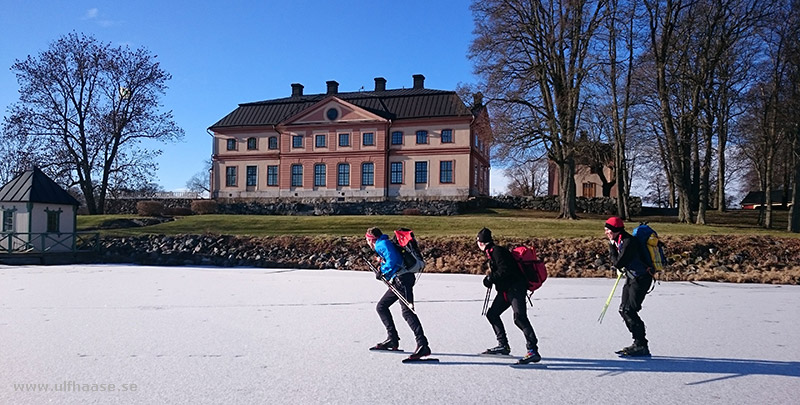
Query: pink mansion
(376, 145)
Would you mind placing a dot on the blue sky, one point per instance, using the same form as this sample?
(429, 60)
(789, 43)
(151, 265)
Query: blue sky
(222, 53)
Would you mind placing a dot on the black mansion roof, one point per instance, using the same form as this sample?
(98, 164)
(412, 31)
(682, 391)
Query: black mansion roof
(390, 104)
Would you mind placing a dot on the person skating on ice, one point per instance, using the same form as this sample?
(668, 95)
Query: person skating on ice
(628, 256)
(393, 271)
(511, 286)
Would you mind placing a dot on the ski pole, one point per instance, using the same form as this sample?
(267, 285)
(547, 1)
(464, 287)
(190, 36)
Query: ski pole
(608, 301)
(486, 301)
(402, 299)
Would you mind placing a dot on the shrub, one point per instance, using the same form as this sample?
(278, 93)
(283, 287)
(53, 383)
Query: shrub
(201, 207)
(149, 208)
(177, 211)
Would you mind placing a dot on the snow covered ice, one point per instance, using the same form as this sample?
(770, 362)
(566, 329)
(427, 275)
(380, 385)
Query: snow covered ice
(212, 335)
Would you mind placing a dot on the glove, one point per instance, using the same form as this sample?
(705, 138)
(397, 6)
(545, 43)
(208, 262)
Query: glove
(487, 282)
(620, 272)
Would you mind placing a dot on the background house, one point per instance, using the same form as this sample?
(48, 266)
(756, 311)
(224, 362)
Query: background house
(594, 171)
(379, 144)
(755, 199)
(38, 215)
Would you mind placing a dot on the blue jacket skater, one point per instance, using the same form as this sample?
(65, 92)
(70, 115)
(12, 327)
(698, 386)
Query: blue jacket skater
(392, 259)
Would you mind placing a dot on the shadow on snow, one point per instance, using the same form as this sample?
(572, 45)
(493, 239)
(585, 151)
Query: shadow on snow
(726, 368)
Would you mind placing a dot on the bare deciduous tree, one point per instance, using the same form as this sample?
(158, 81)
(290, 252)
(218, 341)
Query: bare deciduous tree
(621, 32)
(200, 181)
(95, 104)
(528, 178)
(533, 57)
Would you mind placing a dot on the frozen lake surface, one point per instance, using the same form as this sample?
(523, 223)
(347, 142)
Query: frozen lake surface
(211, 335)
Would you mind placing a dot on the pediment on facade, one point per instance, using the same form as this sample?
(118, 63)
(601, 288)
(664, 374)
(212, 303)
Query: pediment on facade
(332, 110)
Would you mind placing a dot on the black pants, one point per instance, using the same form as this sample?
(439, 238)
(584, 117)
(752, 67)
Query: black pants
(405, 285)
(515, 300)
(633, 294)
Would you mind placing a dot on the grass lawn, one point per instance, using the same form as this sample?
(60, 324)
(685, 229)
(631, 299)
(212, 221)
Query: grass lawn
(502, 222)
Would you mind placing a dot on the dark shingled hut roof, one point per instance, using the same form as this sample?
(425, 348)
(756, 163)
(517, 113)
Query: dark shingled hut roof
(35, 186)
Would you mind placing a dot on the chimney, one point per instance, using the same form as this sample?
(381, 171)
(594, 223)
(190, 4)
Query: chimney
(380, 84)
(333, 86)
(419, 81)
(297, 89)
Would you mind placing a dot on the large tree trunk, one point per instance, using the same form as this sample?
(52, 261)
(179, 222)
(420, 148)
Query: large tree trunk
(768, 188)
(722, 140)
(567, 189)
(682, 177)
(794, 212)
(695, 180)
(705, 174)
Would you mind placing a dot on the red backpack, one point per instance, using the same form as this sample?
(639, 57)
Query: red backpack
(533, 268)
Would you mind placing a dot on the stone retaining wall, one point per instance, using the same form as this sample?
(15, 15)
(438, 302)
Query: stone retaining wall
(761, 259)
(599, 205)
(603, 205)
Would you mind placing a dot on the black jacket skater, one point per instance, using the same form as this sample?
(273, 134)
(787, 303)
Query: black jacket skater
(505, 274)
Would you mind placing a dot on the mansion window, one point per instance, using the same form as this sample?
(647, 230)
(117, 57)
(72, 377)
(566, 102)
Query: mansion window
(422, 137)
(396, 173)
(446, 171)
(297, 175)
(231, 144)
(343, 175)
(319, 175)
(252, 144)
(230, 176)
(397, 138)
(368, 174)
(447, 136)
(251, 178)
(273, 142)
(368, 139)
(420, 172)
(272, 175)
(344, 139)
(297, 141)
(319, 141)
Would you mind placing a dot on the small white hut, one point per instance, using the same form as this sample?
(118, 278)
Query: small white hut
(38, 215)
